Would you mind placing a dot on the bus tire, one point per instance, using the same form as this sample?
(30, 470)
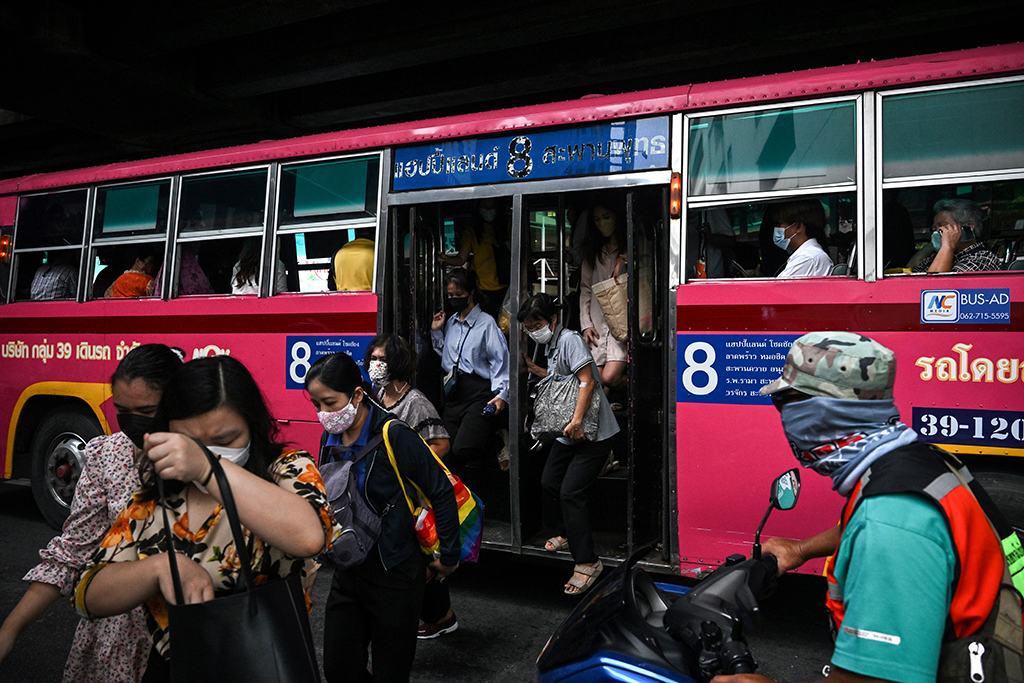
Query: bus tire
(58, 456)
(1007, 491)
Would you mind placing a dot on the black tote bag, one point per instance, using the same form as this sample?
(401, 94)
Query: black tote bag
(258, 634)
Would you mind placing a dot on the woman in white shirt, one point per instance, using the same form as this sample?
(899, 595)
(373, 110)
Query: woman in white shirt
(800, 230)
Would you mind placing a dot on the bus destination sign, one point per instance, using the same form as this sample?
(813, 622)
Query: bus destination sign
(617, 147)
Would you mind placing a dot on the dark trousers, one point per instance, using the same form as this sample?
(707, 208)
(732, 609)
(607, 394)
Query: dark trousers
(369, 604)
(436, 601)
(568, 473)
(474, 436)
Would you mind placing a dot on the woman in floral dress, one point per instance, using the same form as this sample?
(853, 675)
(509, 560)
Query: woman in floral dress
(278, 492)
(110, 650)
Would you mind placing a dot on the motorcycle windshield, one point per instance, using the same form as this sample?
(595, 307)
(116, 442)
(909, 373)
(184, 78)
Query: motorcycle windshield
(574, 640)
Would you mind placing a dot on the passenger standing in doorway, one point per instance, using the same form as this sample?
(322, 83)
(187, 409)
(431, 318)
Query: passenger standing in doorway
(604, 244)
(474, 351)
(486, 238)
(574, 462)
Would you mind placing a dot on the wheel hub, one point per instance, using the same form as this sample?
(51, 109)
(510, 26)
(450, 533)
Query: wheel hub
(65, 459)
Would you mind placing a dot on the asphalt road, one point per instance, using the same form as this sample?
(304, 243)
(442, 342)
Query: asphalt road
(507, 607)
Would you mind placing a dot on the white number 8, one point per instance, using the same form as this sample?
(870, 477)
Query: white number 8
(693, 367)
(300, 359)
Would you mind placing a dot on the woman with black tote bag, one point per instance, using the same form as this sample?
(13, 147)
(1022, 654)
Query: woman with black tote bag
(217, 420)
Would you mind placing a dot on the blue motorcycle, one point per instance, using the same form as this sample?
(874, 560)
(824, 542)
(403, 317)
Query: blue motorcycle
(632, 629)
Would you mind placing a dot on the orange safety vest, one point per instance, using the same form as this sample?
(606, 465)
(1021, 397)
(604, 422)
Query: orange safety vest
(917, 468)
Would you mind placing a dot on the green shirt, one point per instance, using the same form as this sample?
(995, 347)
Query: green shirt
(895, 566)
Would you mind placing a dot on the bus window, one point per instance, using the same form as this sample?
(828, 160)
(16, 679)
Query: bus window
(315, 193)
(126, 270)
(955, 130)
(326, 260)
(911, 210)
(765, 155)
(227, 201)
(48, 245)
(940, 149)
(137, 211)
(736, 240)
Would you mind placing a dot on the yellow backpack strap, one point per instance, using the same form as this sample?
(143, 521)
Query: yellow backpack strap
(394, 464)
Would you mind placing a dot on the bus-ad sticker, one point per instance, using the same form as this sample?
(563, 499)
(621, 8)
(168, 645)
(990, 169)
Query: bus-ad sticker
(729, 368)
(638, 145)
(965, 305)
(304, 350)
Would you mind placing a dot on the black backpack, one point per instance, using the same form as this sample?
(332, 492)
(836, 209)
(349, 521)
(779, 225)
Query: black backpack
(360, 525)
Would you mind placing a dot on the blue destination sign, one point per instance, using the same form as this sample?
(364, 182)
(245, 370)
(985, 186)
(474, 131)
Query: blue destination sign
(729, 368)
(600, 149)
(965, 305)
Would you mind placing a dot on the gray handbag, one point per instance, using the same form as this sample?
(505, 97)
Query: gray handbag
(556, 404)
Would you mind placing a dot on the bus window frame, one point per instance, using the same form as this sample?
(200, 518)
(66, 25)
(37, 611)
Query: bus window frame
(169, 285)
(931, 179)
(94, 242)
(863, 154)
(377, 221)
(12, 278)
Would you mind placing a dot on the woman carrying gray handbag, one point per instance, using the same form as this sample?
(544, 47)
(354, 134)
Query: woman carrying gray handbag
(571, 406)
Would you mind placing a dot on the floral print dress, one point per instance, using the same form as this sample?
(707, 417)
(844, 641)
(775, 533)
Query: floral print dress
(116, 649)
(139, 532)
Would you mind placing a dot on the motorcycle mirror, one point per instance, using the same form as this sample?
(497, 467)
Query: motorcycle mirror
(785, 491)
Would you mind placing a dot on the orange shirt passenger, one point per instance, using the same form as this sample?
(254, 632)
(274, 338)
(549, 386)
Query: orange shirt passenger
(135, 281)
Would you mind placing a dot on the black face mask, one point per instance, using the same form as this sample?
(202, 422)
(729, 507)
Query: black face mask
(457, 303)
(135, 427)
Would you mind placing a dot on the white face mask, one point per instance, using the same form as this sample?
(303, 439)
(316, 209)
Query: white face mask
(541, 336)
(378, 372)
(338, 421)
(238, 456)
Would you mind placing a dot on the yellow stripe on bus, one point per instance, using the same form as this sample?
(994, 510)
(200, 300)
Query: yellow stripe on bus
(93, 393)
(982, 450)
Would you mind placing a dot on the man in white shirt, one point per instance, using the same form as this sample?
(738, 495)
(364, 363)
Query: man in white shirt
(799, 226)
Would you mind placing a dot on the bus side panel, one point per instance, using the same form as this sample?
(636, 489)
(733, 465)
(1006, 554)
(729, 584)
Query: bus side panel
(959, 384)
(277, 340)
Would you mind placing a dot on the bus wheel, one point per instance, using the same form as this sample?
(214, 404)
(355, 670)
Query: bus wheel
(1007, 492)
(58, 456)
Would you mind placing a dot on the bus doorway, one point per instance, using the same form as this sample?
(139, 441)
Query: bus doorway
(548, 238)
(564, 254)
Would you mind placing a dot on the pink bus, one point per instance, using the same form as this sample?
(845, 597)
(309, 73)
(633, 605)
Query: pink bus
(694, 171)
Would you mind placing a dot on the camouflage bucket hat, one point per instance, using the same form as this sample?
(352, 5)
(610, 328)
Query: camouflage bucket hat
(839, 365)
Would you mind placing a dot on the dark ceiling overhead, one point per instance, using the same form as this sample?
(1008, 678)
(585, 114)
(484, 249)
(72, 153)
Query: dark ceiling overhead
(88, 83)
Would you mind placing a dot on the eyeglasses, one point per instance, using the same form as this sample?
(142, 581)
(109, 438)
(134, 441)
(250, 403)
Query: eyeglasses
(785, 396)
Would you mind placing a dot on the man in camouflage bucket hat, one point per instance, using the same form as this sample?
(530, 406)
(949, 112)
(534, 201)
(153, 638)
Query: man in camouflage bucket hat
(909, 556)
(837, 364)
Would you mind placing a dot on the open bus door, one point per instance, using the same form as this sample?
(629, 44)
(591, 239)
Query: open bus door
(631, 503)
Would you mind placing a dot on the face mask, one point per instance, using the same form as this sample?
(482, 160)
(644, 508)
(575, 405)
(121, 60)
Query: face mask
(239, 456)
(135, 427)
(605, 226)
(936, 240)
(339, 420)
(456, 304)
(378, 372)
(541, 336)
(488, 214)
(779, 237)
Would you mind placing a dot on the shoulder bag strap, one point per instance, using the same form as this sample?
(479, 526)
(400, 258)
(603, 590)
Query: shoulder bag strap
(172, 559)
